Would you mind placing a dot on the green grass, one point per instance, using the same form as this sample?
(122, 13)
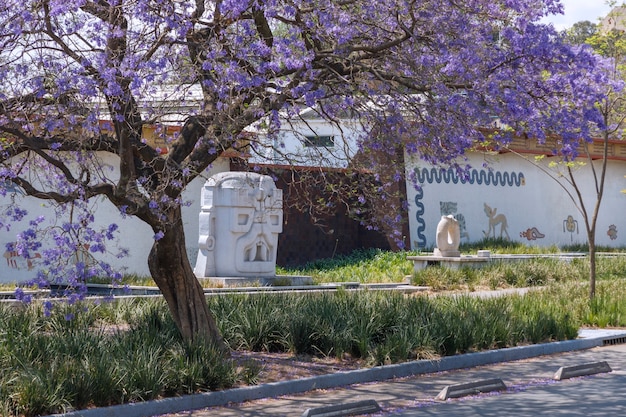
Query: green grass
(130, 350)
(377, 266)
(505, 274)
(50, 364)
(381, 327)
(128, 279)
(500, 246)
(364, 266)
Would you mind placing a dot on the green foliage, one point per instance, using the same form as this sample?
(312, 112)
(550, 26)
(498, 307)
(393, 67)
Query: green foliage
(375, 265)
(127, 279)
(442, 278)
(503, 274)
(580, 32)
(50, 365)
(606, 309)
(610, 44)
(501, 245)
(130, 350)
(381, 327)
(364, 265)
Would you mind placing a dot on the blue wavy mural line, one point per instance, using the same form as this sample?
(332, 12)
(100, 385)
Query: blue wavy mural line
(421, 224)
(447, 176)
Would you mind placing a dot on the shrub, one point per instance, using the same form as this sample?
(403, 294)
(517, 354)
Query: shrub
(51, 365)
(382, 327)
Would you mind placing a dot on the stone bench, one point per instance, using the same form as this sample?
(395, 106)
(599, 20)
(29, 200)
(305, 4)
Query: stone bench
(421, 262)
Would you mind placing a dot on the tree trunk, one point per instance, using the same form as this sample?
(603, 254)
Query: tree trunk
(592, 266)
(173, 274)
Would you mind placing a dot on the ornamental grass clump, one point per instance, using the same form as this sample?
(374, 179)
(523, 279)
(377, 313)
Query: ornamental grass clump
(77, 358)
(381, 327)
(606, 309)
(131, 350)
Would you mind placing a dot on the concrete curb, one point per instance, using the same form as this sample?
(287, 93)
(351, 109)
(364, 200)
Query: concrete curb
(339, 379)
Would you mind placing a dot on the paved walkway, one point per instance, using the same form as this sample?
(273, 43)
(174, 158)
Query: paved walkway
(410, 388)
(530, 391)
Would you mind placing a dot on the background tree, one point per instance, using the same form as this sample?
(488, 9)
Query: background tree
(580, 32)
(79, 78)
(610, 42)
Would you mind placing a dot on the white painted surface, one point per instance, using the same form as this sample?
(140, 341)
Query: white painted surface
(133, 234)
(288, 146)
(536, 210)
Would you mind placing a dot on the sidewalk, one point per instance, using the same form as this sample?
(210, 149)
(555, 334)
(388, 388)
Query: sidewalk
(404, 386)
(415, 395)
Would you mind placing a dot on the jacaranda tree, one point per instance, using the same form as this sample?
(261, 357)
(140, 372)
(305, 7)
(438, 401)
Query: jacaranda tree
(79, 78)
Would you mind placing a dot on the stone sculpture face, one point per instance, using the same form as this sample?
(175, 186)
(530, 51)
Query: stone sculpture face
(240, 219)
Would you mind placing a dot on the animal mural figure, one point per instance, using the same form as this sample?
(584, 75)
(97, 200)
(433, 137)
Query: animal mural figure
(532, 233)
(11, 257)
(495, 220)
(16, 261)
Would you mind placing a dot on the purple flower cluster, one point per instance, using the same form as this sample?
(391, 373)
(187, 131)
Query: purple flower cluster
(79, 77)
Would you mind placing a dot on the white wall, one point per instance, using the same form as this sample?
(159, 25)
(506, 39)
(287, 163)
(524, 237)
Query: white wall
(132, 234)
(287, 147)
(535, 208)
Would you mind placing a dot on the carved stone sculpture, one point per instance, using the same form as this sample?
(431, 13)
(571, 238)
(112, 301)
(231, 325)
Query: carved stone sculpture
(240, 219)
(448, 237)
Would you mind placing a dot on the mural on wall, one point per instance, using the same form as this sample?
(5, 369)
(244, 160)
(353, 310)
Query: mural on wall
(532, 233)
(612, 232)
(16, 261)
(570, 225)
(449, 208)
(421, 224)
(450, 176)
(482, 177)
(496, 220)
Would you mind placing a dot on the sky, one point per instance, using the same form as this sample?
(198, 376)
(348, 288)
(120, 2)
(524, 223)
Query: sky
(577, 10)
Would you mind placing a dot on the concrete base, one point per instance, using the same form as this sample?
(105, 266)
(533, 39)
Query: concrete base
(275, 281)
(421, 262)
(471, 388)
(482, 258)
(447, 253)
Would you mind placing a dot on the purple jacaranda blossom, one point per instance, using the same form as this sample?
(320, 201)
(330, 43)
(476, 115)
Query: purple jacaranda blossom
(422, 77)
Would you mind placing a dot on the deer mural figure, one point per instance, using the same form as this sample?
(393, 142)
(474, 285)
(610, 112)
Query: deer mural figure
(495, 220)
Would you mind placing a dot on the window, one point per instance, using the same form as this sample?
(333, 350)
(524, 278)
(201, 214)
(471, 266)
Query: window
(319, 141)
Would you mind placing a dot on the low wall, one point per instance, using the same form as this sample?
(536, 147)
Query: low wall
(512, 198)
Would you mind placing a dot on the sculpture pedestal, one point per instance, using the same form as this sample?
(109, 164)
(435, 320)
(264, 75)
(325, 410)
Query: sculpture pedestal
(421, 262)
(275, 281)
(447, 253)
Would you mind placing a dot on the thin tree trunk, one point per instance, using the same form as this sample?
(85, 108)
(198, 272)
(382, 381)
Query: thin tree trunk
(173, 274)
(592, 266)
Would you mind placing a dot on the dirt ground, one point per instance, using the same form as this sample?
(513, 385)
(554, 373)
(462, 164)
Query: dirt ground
(276, 367)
